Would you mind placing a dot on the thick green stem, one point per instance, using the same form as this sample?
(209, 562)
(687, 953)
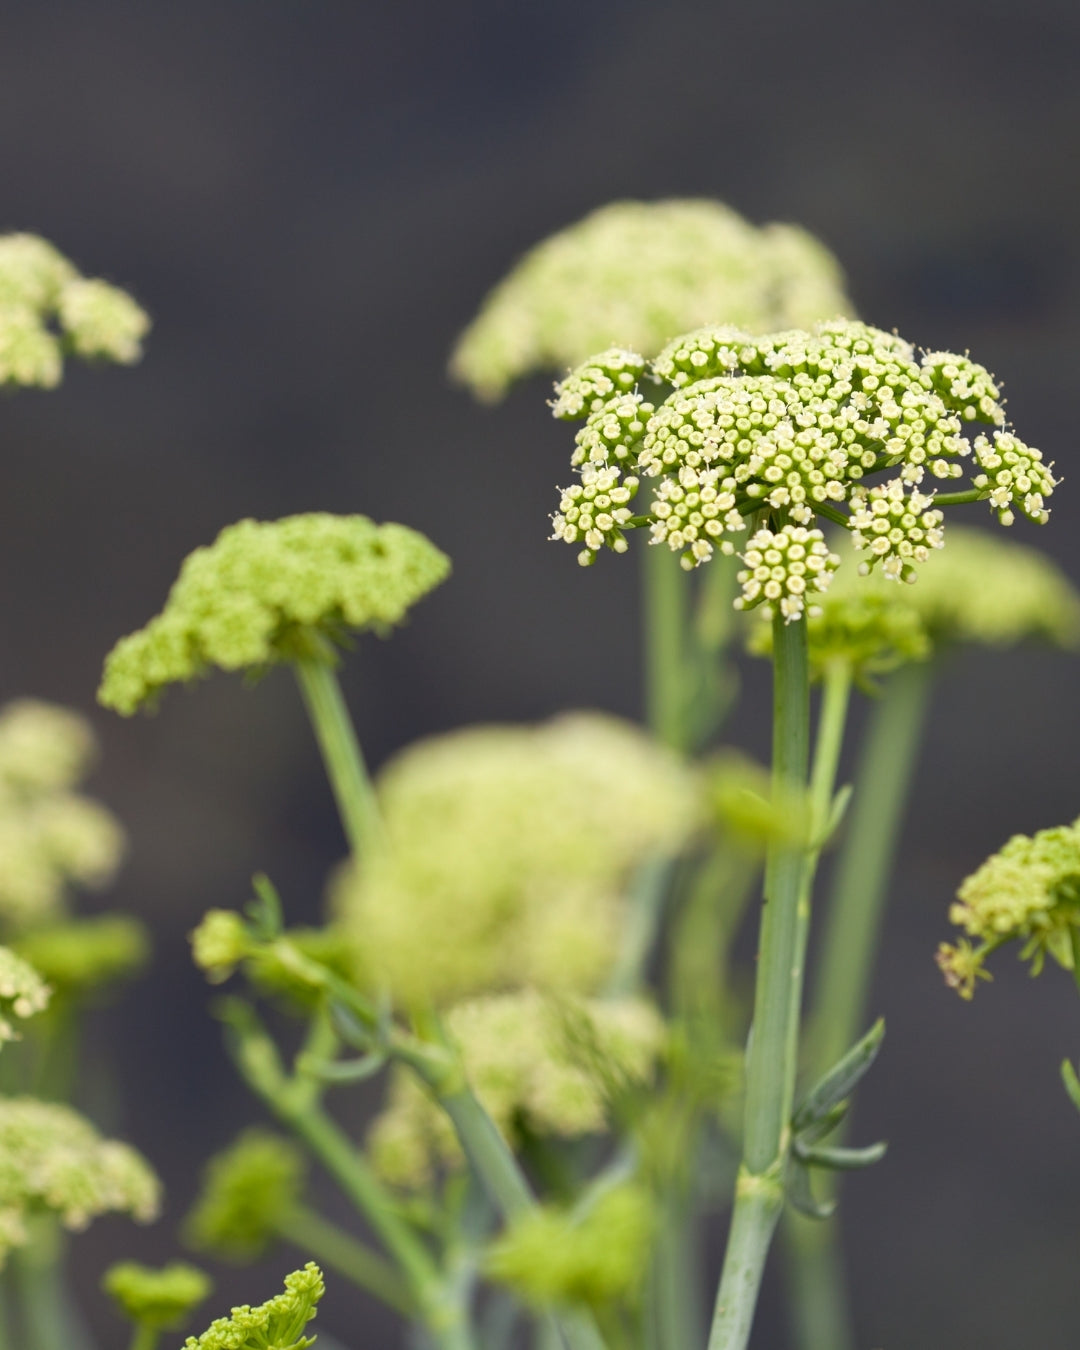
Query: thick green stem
(47, 1319)
(340, 749)
(758, 1202)
(770, 1062)
(849, 947)
(665, 646)
(333, 1247)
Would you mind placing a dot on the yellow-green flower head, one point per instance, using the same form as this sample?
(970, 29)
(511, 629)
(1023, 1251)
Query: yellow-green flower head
(547, 1063)
(51, 1157)
(554, 1256)
(48, 309)
(160, 1299)
(796, 424)
(48, 844)
(248, 1191)
(277, 1324)
(22, 992)
(43, 747)
(637, 273)
(220, 943)
(78, 955)
(509, 849)
(269, 591)
(1029, 891)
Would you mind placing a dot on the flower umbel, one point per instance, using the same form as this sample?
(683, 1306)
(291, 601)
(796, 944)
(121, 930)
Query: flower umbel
(1029, 891)
(270, 591)
(247, 1193)
(22, 992)
(638, 272)
(160, 1299)
(277, 1324)
(797, 425)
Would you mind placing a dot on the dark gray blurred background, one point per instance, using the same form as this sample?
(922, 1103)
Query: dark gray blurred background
(311, 199)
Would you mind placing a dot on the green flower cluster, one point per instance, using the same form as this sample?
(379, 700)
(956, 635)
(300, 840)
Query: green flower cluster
(556, 1256)
(268, 591)
(1029, 891)
(52, 1157)
(277, 1324)
(50, 837)
(548, 1065)
(785, 567)
(795, 423)
(22, 992)
(158, 1299)
(47, 309)
(509, 849)
(637, 272)
(982, 588)
(247, 1193)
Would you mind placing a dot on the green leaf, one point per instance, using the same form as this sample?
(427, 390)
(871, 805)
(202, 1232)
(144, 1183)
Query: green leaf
(841, 1079)
(265, 911)
(838, 1159)
(1072, 1083)
(818, 1129)
(800, 1194)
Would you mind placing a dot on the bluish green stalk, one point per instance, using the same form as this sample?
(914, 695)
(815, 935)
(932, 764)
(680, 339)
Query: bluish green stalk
(838, 1011)
(498, 1171)
(341, 754)
(332, 1247)
(47, 1319)
(853, 914)
(665, 618)
(770, 1063)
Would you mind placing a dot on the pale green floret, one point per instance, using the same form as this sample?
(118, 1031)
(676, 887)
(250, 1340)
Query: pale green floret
(508, 854)
(78, 955)
(548, 1065)
(220, 943)
(269, 591)
(48, 844)
(162, 1298)
(796, 425)
(277, 1324)
(1029, 891)
(247, 1194)
(51, 1157)
(48, 309)
(554, 1256)
(102, 321)
(43, 746)
(636, 273)
(22, 993)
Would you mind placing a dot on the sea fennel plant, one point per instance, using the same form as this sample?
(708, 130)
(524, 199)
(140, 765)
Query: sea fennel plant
(755, 440)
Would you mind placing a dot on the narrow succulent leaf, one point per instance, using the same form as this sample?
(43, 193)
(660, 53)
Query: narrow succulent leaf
(839, 1159)
(841, 1079)
(265, 911)
(824, 1126)
(346, 1070)
(800, 1194)
(1072, 1083)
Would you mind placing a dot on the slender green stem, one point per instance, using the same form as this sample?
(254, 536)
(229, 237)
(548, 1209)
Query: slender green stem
(333, 1247)
(770, 1064)
(48, 1321)
(509, 1190)
(959, 498)
(340, 749)
(832, 721)
(853, 914)
(145, 1337)
(676, 1316)
(648, 890)
(849, 946)
(665, 645)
